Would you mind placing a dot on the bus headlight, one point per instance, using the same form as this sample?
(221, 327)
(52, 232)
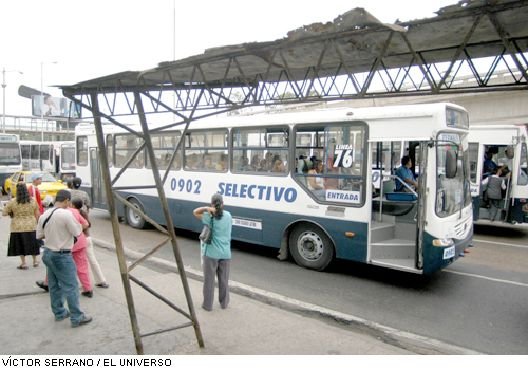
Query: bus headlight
(443, 242)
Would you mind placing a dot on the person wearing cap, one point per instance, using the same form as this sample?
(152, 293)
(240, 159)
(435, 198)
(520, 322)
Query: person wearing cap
(216, 255)
(34, 192)
(59, 227)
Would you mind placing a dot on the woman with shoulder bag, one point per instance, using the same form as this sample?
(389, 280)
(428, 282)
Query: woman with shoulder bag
(24, 213)
(216, 253)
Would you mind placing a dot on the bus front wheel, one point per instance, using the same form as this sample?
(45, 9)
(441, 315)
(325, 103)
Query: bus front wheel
(311, 247)
(133, 218)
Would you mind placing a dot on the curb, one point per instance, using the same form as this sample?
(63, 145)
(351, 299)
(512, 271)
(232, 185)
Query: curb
(413, 342)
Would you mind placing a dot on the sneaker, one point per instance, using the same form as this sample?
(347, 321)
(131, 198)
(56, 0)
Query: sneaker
(63, 317)
(42, 285)
(103, 285)
(88, 294)
(85, 319)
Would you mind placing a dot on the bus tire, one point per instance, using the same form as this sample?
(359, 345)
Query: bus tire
(311, 247)
(133, 218)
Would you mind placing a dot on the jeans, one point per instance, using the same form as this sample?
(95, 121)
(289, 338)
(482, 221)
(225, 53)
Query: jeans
(62, 282)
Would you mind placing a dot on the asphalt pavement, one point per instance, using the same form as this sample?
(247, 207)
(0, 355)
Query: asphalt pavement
(256, 322)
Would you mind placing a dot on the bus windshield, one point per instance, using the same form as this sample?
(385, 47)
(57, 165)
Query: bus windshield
(9, 154)
(453, 194)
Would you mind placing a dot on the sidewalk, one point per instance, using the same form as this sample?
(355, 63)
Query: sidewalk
(248, 326)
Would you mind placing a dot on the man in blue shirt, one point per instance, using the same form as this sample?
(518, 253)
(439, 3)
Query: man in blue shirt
(406, 175)
(489, 165)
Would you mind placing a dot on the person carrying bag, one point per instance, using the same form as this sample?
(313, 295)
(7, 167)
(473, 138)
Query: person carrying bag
(215, 241)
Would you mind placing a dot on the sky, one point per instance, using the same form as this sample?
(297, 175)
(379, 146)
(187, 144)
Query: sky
(75, 41)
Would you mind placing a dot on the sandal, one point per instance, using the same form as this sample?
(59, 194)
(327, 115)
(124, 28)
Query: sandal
(36, 264)
(22, 267)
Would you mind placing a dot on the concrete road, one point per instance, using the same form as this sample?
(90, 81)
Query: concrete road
(480, 302)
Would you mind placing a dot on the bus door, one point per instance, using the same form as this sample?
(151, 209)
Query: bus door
(394, 228)
(420, 153)
(98, 191)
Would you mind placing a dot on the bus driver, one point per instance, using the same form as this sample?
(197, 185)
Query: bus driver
(405, 174)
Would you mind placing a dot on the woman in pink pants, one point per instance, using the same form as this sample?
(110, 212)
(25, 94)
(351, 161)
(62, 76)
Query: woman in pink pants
(80, 257)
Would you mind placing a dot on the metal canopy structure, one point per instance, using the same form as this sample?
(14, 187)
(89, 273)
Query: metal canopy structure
(355, 56)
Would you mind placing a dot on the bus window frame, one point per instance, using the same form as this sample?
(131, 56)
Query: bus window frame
(176, 165)
(187, 147)
(81, 149)
(266, 148)
(361, 126)
(139, 160)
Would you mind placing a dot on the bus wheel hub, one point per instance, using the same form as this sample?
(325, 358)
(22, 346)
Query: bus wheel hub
(310, 246)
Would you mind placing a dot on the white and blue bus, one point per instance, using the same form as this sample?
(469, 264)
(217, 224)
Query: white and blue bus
(261, 165)
(503, 146)
(10, 158)
(56, 157)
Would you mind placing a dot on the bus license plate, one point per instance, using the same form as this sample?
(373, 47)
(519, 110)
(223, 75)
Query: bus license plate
(449, 252)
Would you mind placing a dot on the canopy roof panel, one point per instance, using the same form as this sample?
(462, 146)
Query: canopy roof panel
(354, 43)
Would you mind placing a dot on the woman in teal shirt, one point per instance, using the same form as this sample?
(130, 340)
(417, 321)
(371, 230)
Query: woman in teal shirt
(216, 255)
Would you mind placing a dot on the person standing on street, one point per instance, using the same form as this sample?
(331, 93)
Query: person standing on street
(217, 254)
(74, 186)
(24, 214)
(58, 227)
(34, 192)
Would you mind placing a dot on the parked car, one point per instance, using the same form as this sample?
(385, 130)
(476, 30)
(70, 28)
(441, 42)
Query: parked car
(48, 188)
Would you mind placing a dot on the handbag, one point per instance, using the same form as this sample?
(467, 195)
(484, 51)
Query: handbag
(206, 236)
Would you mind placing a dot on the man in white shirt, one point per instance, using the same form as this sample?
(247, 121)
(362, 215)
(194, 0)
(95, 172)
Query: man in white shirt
(58, 227)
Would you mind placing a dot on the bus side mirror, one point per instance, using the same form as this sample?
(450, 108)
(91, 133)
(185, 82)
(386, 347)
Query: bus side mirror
(451, 164)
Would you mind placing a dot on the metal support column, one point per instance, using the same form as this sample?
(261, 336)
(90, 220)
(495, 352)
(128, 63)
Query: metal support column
(168, 219)
(105, 171)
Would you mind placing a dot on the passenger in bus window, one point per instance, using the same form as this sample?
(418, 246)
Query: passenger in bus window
(269, 161)
(405, 174)
(255, 162)
(263, 165)
(208, 163)
(278, 166)
(222, 164)
(315, 180)
(331, 182)
(522, 177)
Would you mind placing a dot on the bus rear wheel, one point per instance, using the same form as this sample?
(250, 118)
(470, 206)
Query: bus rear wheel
(311, 247)
(133, 218)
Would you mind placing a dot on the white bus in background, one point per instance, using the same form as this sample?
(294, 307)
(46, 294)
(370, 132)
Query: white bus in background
(10, 159)
(507, 146)
(252, 161)
(56, 157)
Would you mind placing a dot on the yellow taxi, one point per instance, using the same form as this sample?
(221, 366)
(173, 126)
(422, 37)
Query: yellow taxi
(48, 188)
